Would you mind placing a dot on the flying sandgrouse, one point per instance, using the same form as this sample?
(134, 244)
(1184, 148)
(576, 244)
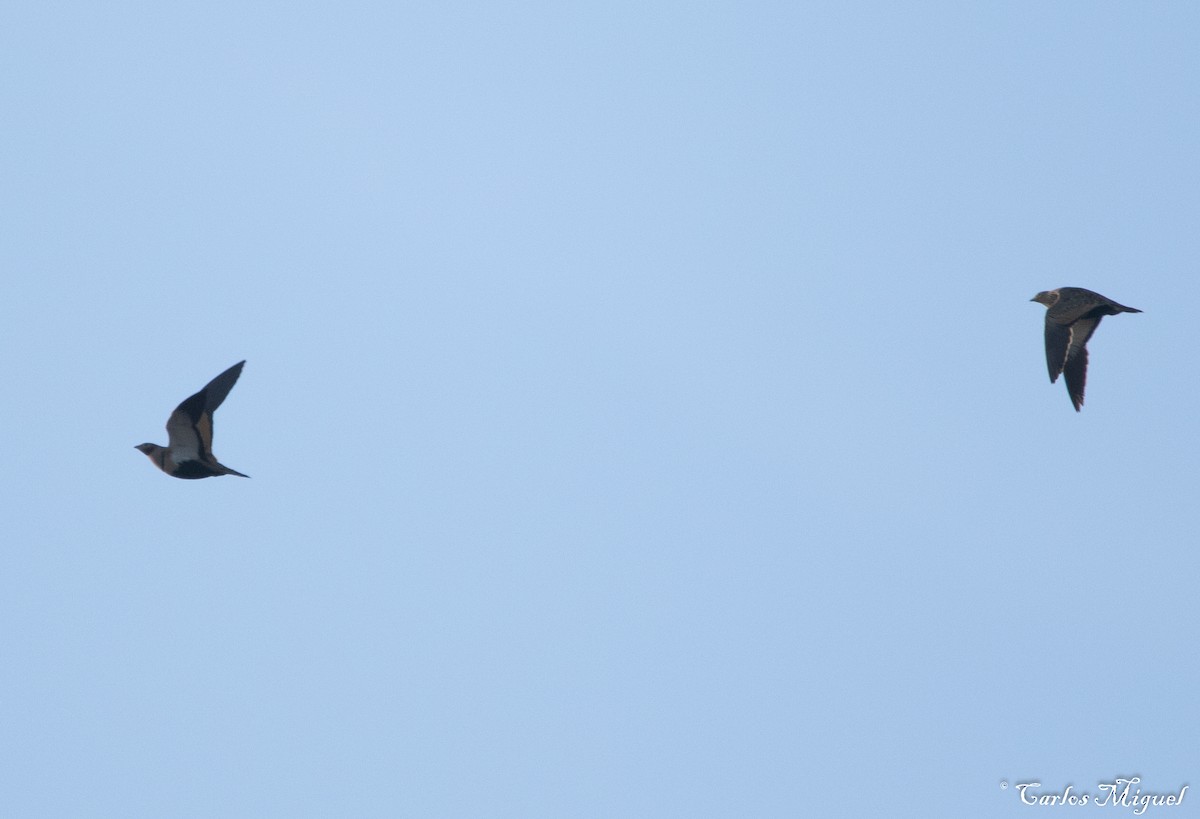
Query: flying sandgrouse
(188, 453)
(1072, 315)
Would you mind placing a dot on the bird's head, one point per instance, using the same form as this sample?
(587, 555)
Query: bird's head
(1046, 297)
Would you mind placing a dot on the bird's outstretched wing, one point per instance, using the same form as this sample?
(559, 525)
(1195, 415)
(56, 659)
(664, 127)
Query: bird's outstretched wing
(1058, 341)
(215, 391)
(190, 427)
(1075, 367)
(1075, 374)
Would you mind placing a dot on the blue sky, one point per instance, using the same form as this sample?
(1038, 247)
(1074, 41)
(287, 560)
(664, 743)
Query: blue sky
(644, 406)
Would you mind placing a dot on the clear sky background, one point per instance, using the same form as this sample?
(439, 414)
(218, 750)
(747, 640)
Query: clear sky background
(646, 412)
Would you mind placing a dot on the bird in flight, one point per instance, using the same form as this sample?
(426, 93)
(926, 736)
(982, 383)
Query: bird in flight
(188, 453)
(1072, 315)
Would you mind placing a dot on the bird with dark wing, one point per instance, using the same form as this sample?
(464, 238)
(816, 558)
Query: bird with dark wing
(188, 453)
(1072, 315)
